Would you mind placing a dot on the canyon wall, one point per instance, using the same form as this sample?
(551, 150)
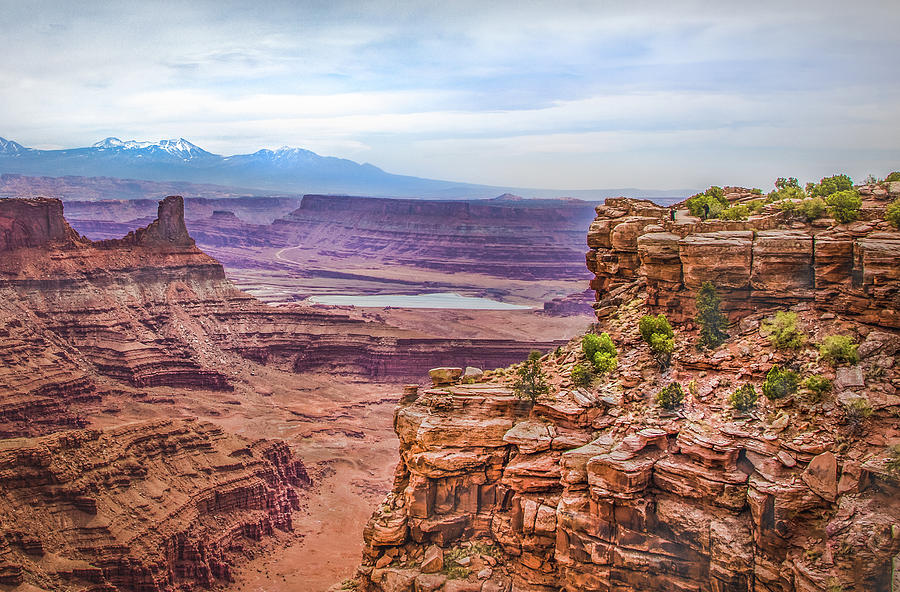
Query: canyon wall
(598, 488)
(147, 506)
(516, 239)
(769, 260)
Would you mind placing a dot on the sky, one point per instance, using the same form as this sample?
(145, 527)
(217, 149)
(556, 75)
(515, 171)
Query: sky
(564, 95)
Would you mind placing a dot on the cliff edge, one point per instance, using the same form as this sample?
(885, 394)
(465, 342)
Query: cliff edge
(598, 487)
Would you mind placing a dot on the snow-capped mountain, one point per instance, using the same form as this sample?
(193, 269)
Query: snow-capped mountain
(179, 148)
(289, 170)
(8, 147)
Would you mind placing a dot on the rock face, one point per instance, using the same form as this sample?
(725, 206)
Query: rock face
(33, 223)
(653, 502)
(147, 506)
(599, 489)
(765, 261)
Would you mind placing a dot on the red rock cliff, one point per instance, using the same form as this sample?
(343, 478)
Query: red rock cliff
(600, 489)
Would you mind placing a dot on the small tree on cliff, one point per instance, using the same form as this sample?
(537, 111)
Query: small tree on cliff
(710, 318)
(530, 379)
(657, 333)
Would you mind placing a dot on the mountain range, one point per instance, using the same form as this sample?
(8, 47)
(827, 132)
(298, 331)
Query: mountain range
(286, 169)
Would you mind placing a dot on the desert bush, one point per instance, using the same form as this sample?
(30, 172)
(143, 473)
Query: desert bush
(785, 188)
(895, 176)
(670, 396)
(829, 186)
(856, 412)
(844, 206)
(756, 191)
(657, 333)
(738, 212)
(531, 382)
(756, 205)
(710, 318)
(708, 204)
(839, 348)
(744, 397)
(811, 208)
(600, 351)
(818, 386)
(780, 383)
(783, 332)
(892, 214)
(581, 376)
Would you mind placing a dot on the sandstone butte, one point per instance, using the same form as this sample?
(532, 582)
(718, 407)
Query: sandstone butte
(599, 489)
(93, 495)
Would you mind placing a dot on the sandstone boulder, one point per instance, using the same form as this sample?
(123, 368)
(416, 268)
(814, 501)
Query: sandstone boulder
(445, 376)
(821, 475)
(434, 560)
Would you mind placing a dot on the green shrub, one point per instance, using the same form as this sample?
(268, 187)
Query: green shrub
(785, 188)
(600, 351)
(829, 186)
(708, 204)
(649, 324)
(756, 205)
(670, 397)
(738, 212)
(787, 183)
(657, 333)
(744, 398)
(531, 382)
(811, 208)
(817, 385)
(892, 214)
(844, 206)
(605, 363)
(710, 318)
(895, 176)
(783, 331)
(856, 412)
(780, 383)
(581, 376)
(839, 348)
(788, 205)
(756, 191)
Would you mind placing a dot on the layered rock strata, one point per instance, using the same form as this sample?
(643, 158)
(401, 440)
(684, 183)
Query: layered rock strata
(146, 506)
(771, 259)
(598, 488)
(509, 239)
(79, 317)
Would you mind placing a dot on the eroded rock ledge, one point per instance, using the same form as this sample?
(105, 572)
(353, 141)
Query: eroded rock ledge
(770, 259)
(599, 489)
(148, 506)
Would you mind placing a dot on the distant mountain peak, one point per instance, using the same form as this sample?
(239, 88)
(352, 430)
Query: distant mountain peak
(180, 147)
(10, 147)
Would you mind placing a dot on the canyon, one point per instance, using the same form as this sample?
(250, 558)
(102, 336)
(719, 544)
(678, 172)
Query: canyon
(163, 427)
(600, 488)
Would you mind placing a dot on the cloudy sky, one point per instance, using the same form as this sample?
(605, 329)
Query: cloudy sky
(568, 95)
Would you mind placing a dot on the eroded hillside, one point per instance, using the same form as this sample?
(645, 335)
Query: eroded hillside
(606, 485)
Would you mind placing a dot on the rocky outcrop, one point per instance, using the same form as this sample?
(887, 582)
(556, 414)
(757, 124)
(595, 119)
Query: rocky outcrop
(768, 260)
(33, 223)
(145, 507)
(598, 488)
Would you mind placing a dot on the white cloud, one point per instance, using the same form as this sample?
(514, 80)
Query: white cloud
(577, 95)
